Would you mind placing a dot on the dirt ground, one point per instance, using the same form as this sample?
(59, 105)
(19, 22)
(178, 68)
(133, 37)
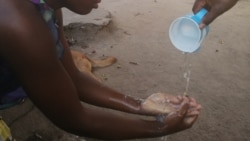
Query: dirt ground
(148, 63)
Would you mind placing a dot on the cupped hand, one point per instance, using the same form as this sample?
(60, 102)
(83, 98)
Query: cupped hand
(193, 111)
(182, 119)
(194, 108)
(162, 103)
(215, 8)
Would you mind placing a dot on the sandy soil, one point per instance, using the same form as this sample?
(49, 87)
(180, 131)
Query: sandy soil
(148, 63)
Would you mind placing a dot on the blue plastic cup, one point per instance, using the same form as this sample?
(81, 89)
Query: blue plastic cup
(185, 34)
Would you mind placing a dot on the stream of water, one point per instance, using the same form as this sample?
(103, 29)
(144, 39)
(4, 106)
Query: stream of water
(187, 72)
(187, 75)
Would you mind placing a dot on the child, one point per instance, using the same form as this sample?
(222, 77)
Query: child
(35, 60)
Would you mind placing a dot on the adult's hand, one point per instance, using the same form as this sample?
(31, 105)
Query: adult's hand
(215, 8)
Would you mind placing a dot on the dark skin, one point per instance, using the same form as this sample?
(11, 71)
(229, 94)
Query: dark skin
(57, 87)
(215, 8)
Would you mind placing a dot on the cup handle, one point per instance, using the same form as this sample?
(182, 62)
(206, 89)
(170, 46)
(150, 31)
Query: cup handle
(199, 15)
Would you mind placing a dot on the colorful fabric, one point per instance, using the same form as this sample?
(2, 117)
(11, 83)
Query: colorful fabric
(11, 91)
(38, 1)
(49, 17)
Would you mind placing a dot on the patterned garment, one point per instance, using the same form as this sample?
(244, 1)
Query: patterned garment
(11, 91)
(49, 17)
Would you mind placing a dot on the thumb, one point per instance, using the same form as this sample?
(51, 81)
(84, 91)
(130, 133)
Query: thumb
(183, 111)
(176, 117)
(189, 121)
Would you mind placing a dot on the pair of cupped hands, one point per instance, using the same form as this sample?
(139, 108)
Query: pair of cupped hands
(177, 112)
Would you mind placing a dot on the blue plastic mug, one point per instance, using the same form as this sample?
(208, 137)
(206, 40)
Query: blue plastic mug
(185, 34)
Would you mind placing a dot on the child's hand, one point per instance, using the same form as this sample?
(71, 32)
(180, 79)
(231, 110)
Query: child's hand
(161, 103)
(183, 118)
(178, 121)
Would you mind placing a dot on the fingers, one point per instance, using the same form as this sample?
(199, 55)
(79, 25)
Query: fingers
(198, 5)
(195, 108)
(176, 100)
(192, 116)
(183, 118)
(210, 17)
(178, 116)
(215, 8)
(184, 109)
(189, 121)
(96, 3)
(193, 113)
(175, 120)
(193, 104)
